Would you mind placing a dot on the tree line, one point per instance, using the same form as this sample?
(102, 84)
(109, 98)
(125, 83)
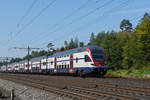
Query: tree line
(129, 48)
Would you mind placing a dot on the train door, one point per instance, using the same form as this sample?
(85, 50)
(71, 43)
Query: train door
(71, 63)
(55, 65)
(40, 67)
(24, 67)
(46, 66)
(31, 66)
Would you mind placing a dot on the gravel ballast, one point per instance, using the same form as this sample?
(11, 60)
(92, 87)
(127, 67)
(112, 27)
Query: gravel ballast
(24, 92)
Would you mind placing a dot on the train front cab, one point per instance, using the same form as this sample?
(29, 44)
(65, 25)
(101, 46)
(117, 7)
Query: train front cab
(98, 57)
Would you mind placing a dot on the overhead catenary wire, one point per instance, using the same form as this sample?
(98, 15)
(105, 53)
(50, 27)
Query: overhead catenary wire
(61, 37)
(27, 12)
(65, 18)
(33, 19)
(28, 52)
(75, 29)
(76, 20)
(90, 23)
(23, 17)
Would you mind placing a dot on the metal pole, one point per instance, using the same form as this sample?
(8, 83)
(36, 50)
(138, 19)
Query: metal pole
(28, 57)
(12, 94)
(6, 63)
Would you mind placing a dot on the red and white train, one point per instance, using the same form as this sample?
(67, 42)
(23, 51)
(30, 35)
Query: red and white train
(80, 61)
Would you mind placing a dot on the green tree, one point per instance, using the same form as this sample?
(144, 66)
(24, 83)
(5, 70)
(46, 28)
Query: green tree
(92, 39)
(43, 53)
(50, 46)
(99, 38)
(62, 48)
(15, 60)
(129, 50)
(113, 50)
(81, 44)
(143, 41)
(66, 45)
(126, 25)
(72, 44)
(76, 42)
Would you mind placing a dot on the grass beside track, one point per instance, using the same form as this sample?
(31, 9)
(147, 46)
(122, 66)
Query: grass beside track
(130, 73)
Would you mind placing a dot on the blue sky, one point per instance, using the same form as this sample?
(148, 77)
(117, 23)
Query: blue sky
(62, 20)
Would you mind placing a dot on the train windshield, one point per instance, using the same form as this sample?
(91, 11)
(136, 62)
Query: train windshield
(98, 55)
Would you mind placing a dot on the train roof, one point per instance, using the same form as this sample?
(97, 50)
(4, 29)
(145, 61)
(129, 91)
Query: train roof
(64, 53)
(38, 58)
(76, 50)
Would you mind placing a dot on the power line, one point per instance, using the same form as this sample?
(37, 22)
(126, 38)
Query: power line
(66, 17)
(74, 31)
(32, 20)
(77, 19)
(89, 23)
(23, 17)
(27, 12)
(28, 50)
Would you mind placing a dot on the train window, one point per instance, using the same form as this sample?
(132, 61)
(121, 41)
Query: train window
(98, 57)
(65, 65)
(44, 63)
(68, 66)
(51, 62)
(97, 51)
(87, 58)
(76, 59)
(16, 66)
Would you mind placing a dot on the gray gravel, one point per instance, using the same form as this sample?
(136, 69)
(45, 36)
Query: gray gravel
(108, 81)
(27, 93)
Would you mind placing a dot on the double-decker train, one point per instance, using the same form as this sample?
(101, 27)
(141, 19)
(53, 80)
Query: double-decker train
(80, 61)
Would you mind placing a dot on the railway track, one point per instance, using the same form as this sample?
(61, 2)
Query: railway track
(82, 90)
(51, 89)
(127, 90)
